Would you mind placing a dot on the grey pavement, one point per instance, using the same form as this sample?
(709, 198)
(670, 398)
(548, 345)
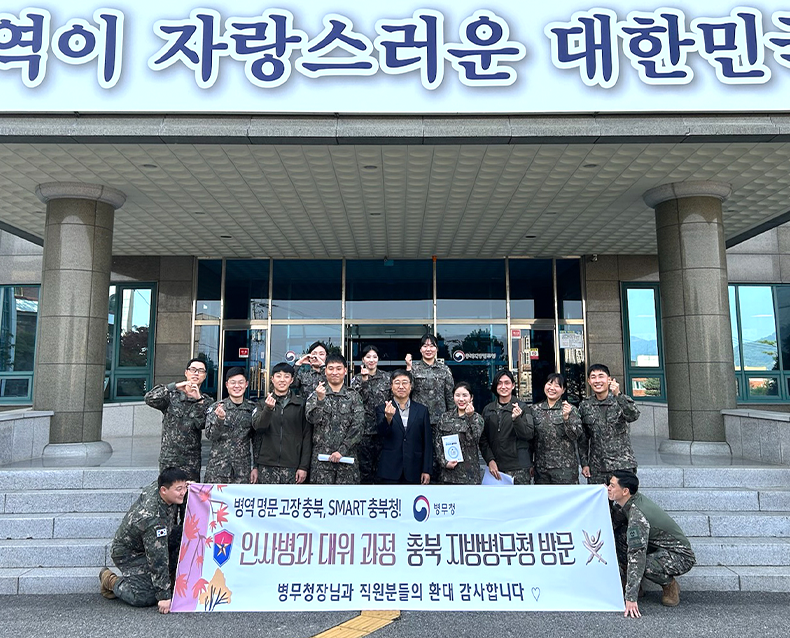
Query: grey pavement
(700, 614)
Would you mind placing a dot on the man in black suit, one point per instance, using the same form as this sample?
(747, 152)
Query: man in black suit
(404, 428)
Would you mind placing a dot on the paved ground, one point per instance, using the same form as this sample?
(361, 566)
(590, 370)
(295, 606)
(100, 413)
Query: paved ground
(701, 614)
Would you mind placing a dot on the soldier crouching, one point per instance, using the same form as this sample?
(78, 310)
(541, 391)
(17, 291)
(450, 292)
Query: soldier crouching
(145, 547)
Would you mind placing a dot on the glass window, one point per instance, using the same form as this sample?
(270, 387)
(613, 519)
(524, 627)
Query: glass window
(206, 346)
(763, 387)
(470, 289)
(758, 328)
(474, 352)
(246, 288)
(644, 372)
(642, 327)
(134, 328)
(569, 289)
(290, 342)
(209, 289)
(310, 289)
(736, 342)
(130, 341)
(531, 289)
(18, 321)
(783, 314)
(389, 289)
(572, 361)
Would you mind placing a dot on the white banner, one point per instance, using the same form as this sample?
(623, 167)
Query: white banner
(402, 56)
(313, 548)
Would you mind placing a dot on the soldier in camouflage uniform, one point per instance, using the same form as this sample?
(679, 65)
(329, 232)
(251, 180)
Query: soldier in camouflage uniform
(310, 369)
(229, 428)
(433, 386)
(468, 425)
(373, 386)
(505, 441)
(146, 545)
(283, 437)
(605, 445)
(650, 544)
(557, 428)
(184, 409)
(338, 420)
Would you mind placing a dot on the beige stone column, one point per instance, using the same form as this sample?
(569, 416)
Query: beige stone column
(695, 314)
(72, 329)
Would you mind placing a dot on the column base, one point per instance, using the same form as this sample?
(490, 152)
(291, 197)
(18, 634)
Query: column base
(76, 454)
(697, 452)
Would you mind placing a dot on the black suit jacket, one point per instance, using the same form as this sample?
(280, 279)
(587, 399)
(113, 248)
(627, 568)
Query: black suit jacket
(407, 451)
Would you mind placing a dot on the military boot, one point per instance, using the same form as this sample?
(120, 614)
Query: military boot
(671, 597)
(106, 582)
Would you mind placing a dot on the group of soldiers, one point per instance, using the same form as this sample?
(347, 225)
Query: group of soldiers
(389, 428)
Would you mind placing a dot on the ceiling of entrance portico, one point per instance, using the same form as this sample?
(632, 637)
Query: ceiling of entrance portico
(373, 201)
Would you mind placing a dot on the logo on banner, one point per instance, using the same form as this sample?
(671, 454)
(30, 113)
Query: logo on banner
(422, 509)
(459, 356)
(223, 543)
(593, 545)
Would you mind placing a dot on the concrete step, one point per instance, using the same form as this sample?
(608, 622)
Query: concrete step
(67, 501)
(27, 479)
(732, 551)
(54, 552)
(36, 526)
(742, 578)
(726, 477)
(706, 499)
(743, 524)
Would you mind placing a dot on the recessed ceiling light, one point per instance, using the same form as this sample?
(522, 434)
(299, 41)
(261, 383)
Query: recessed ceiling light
(149, 166)
(375, 214)
(370, 167)
(530, 236)
(225, 237)
(199, 212)
(590, 166)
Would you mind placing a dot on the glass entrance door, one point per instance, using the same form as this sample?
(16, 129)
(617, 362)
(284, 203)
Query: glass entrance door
(394, 342)
(534, 358)
(246, 349)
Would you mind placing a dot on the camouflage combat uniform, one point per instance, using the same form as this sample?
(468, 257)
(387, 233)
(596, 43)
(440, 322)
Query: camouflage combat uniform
(650, 544)
(606, 443)
(507, 440)
(230, 457)
(468, 428)
(338, 422)
(433, 387)
(307, 379)
(283, 439)
(183, 420)
(375, 391)
(555, 444)
(145, 549)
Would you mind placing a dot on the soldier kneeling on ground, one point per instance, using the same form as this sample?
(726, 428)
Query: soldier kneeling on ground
(650, 544)
(146, 545)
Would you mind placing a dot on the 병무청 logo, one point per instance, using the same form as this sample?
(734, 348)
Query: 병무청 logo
(422, 508)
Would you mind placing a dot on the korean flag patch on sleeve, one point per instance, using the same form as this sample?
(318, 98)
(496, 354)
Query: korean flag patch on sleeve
(161, 532)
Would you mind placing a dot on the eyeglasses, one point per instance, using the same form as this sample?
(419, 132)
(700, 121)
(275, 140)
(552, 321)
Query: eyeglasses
(401, 383)
(236, 383)
(197, 370)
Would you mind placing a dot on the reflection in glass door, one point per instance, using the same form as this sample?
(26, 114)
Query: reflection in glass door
(246, 349)
(534, 359)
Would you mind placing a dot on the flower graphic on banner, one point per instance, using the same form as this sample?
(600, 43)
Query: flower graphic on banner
(204, 516)
(215, 592)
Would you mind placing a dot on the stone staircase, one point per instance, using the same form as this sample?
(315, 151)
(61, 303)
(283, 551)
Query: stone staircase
(56, 524)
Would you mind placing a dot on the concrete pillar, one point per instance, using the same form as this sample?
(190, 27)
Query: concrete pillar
(72, 329)
(695, 314)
